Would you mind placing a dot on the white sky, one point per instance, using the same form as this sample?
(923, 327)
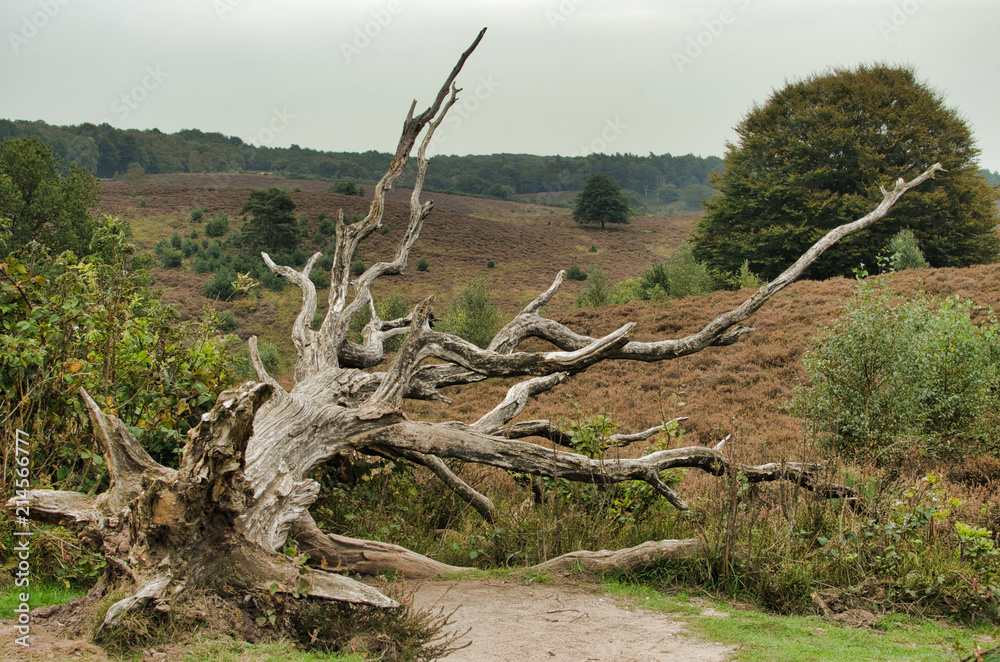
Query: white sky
(551, 76)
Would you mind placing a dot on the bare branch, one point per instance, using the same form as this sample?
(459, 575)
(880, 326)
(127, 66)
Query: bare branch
(258, 366)
(514, 403)
(521, 457)
(303, 337)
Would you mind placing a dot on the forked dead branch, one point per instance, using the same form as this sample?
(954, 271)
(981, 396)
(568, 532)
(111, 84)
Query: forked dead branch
(215, 523)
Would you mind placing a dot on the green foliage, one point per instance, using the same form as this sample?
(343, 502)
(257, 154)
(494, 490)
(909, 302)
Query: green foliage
(597, 291)
(221, 285)
(601, 201)
(576, 273)
(695, 195)
(814, 157)
(357, 268)
(490, 264)
(904, 252)
(347, 187)
(423, 265)
(94, 324)
(40, 203)
(915, 373)
(197, 214)
(680, 276)
(218, 226)
(474, 317)
(272, 225)
(746, 278)
(170, 257)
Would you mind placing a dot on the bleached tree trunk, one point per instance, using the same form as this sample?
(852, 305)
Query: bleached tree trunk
(217, 522)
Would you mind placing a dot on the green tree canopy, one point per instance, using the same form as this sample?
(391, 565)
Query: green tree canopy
(272, 225)
(40, 203)
(601, 201)
(814, 157)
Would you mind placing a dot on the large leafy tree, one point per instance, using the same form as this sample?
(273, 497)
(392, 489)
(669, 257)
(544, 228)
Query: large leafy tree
(815, 156)
(272, 226)
(601, 201)
(42, 204)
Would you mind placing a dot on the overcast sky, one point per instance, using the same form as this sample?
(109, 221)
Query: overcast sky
(551, 76)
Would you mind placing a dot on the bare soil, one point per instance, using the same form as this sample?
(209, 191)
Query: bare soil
(513, 619)
(502, 619)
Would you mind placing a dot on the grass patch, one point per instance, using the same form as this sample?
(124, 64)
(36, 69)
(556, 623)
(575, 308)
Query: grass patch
(768, 638)
(42, 595)
(231, 650)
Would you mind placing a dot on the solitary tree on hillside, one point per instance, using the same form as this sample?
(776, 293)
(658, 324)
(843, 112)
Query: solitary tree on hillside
(272, 225)
(601, 201)
(216, 524)
(817, 154)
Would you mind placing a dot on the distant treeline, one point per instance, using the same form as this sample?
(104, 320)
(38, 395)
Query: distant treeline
(108, 152)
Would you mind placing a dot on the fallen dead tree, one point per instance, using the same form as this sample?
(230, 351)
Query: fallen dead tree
(215, 523)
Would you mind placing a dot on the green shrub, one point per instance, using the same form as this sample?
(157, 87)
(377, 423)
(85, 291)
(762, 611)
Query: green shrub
(474, 316)
(194, 234)
(687, 276)
(326, 226)
(221, 285)
(915, 373)
(490, 264)
(746, 278)
(357, 268)
(227, 321)
(597, 292)
(218, 226)
(171, 257)
(175, 241)
(188, 248)
(905, 253)
(423, 265)
(197, 214)
(576, 273)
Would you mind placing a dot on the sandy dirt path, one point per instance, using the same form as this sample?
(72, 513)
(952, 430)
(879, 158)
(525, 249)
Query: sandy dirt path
(509, 619)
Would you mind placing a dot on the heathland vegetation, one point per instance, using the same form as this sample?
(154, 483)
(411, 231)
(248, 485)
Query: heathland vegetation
(890, 379)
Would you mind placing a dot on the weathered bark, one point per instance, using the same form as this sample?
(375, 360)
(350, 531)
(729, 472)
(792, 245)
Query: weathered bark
(243, 484)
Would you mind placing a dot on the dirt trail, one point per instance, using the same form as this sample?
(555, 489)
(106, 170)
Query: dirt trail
(510, 619)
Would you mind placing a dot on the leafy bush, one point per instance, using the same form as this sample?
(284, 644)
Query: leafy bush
(197, 214)
(357, 268)
(227, 321)
(221, 285)
(597, 292)
(175, 241)
(687, 276)
(905, 253)
(916, 372)
(347, 187)
(490, 264)
(218, 226)
(423, 265)
(576, 273)
(188, 248)
(171, 257)
(474, 316)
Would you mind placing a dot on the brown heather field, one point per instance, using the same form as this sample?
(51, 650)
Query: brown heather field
(742, 389)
